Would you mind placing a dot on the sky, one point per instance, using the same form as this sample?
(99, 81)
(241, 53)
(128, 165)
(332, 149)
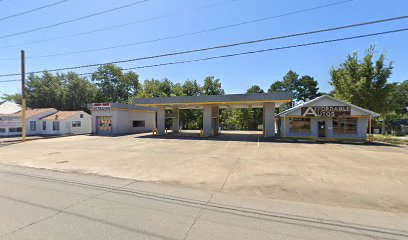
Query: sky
(163, 18)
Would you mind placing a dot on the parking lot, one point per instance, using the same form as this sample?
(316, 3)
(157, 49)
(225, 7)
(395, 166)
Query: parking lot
(350, 175)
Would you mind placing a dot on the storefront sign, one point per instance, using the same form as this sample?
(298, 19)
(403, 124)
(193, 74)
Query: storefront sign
(10, 121)
(326, 111)
(101, 107)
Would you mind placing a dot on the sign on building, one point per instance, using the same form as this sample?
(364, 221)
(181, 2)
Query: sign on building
(10, 121)
(101, 107)
(326, 111)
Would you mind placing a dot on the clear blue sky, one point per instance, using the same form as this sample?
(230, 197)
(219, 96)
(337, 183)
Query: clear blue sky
(237, 74)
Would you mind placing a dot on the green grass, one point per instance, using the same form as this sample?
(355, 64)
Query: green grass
(389, 139)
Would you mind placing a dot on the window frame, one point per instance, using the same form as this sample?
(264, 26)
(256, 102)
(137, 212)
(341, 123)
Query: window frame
(138, 123)
(300, 119)
(54, 124)
(76, 123)
(33, 127)
(340, 123)
(44, 125)
(3, 130)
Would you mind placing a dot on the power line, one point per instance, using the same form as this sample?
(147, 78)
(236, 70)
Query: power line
(229, 45)
(73, 20)
(32, 10)
(182, 35)
(271, 49)
(217, 47)
(256, 51)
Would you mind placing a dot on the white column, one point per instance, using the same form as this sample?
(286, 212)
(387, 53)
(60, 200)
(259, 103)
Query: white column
(161, 112)
(269, 119)
(207, 120)
(216, 119)
(175, 120)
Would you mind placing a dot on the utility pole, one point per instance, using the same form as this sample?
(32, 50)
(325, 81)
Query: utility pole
(23, 98)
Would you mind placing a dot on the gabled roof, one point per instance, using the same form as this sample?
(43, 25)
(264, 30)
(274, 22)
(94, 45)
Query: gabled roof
(7, 107)
(33, 112)
(305, 104)
(61, 115)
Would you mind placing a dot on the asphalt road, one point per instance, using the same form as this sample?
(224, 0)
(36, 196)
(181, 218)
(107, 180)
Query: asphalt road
(44, 204)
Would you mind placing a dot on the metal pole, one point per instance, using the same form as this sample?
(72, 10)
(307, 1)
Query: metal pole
(23, 98)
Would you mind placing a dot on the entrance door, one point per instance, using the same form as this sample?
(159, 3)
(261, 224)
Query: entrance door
(322, 129)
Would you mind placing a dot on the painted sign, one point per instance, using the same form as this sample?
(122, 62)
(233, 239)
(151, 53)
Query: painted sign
(104, 123)
(326, 111)
(10, 121)
(101, 106)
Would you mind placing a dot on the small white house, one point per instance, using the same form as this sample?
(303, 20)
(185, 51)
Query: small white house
(66, 122)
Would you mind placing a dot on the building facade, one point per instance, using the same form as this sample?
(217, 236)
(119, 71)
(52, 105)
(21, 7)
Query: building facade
(66, 123)
(46, 121)
(326, 117)
(119, 119)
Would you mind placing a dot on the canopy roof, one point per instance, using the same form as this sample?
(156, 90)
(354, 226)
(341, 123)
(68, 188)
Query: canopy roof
(252, 100)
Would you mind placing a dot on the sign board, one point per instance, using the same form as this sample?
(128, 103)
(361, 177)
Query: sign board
(101, 106)
(326, 111)
(104, 123)
(10, 121)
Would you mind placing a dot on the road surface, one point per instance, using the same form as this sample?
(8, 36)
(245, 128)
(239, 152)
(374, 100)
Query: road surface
(44, 204)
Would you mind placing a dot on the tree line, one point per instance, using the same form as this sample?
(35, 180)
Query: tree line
(363, 82)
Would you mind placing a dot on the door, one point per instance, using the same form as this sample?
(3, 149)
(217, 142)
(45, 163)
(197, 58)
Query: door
(321, 129)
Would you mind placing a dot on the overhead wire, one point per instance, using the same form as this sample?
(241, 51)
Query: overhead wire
(186, 34)
(32, 10)
(255, 51)
(235, 44)
(72, 20)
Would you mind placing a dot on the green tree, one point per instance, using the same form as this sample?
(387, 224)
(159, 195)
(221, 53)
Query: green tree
(254, 116)
(306, 88)
(46, 91)
(365, 82)
(192, 88)
(16, 98)
(115, 86)
(79, 92)
(212, 86)
(401, 97)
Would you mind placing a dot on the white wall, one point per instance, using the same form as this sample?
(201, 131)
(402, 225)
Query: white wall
(66, 125)
(122, 121)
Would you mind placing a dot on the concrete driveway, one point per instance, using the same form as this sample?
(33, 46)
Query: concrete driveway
(359, 176)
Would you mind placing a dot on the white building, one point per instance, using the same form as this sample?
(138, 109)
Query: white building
(66, 122)
(46, 121)
(8, 107)
(326, 117)
(119, 118)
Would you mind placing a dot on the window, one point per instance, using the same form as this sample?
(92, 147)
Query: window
(2, 130)
(76, 123)
(81, 115)
(44, 125)
(15, 129)
(55, 126)
(138, 123)
(345, 125)
(33, 126)
(299, 125)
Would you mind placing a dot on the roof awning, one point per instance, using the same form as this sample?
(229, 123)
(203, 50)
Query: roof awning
(253, 100)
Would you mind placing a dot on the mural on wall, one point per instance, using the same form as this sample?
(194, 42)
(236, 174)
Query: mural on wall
(104, 123)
